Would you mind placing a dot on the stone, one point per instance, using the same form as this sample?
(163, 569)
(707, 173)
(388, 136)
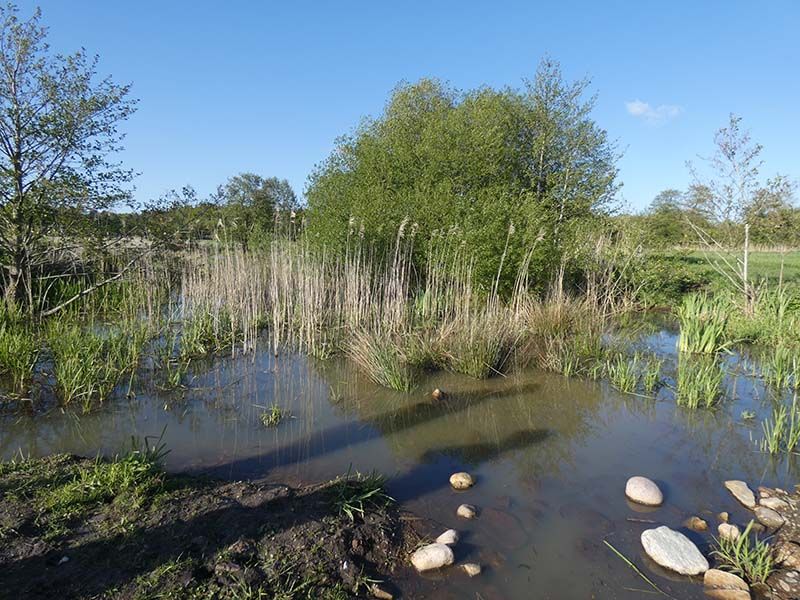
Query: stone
(380, 593)
(788, 555)
(785, 584)
(696, 524)
(432, 556)
(742, 493)
(764, 492)
(449, 537)
(467, 511)
(471, 569)
(716, 579)
(674, 551)
(728, 532)
(775, 504)
(728, 595)
(768, 517)
(437, 394)
(723, 517)
(643, 491)
(461, 481)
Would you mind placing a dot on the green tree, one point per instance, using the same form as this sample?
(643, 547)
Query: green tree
(253, 205)
(58, 130)
(493, 170)
(665, 219)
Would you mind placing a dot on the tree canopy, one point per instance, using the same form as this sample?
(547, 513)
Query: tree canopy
(476, 165)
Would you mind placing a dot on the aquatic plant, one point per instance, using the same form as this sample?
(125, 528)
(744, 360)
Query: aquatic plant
(651, 379)
(272, 416)
(702, 324)
(774, 428)
(781, 367)
(699, 382)
(623, 372)
(746, 556)
(383, 359)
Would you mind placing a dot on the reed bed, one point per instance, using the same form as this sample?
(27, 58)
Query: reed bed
(702, 320)
(699, 381)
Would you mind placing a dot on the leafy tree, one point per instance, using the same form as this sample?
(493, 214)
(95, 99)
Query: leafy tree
(58, 128)
(664, 222)
(495, 171)
(253, 204)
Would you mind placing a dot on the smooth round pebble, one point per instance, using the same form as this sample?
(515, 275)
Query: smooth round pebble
(461, 481)
(432, 556)
(471, 569)
(643, 491)
(467, 511)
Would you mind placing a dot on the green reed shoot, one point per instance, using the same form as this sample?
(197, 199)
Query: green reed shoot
(702, 321)
(699, 382)
(746, 556)
(623, 372)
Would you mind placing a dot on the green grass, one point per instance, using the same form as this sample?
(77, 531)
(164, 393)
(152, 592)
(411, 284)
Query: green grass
(746, 556)
(781, 368)
(19, 352)
(623, 372)
(355, 495)
(383, 359)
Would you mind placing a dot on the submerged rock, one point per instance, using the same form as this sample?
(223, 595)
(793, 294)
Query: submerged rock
(437, 394)
(471, 569)
(768, 517)
(728, 532)
(723, 517)
(674, 551)
(696, 524)
(741, 492)
(432, 556)
(643, 491)
(461, 481)
(449, 537)
(467, 511)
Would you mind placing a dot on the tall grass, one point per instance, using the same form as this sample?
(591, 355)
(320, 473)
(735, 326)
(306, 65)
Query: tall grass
(702, 321)
(19, 352)
(781, 367)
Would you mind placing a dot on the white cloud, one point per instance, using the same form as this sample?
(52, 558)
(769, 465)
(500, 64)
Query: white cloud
(651, 114)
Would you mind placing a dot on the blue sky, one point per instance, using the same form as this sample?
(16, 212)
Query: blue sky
(268, 86)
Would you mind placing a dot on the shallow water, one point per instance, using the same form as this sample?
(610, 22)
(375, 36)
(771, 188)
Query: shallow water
(551, 456)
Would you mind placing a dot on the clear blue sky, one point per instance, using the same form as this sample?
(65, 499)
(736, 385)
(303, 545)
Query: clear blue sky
(226, 87)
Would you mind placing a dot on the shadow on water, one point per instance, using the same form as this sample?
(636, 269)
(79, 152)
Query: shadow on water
(331, 439)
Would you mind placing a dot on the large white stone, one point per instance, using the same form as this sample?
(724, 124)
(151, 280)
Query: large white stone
(770, 518)
(432, 556)
(643, 491)
(742, 493)
(674, 551)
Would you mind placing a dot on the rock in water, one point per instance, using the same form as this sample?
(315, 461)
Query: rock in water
(722, 580)
(674, 551)
(449, 537)
(770, 518)
(432, 556)
(467, 511)
(775, 504)
(742, 493)
(643, 491)
(461, 481)
(728, 532)
(437, 394)
(471, 569)
(696, 524)
(720, 585)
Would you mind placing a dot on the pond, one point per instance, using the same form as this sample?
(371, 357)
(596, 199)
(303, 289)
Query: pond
(551, 456)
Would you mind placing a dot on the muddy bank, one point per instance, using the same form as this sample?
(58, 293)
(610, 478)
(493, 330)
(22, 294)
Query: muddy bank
(79, 528)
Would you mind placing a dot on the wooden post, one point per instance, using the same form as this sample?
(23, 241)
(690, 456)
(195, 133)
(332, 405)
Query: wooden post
(748, 304)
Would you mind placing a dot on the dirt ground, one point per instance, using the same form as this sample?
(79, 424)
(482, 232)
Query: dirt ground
(62, 535)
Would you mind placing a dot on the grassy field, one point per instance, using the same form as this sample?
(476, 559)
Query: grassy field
(763, 265)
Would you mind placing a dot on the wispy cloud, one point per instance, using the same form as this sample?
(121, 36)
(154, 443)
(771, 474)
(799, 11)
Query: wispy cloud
(653, 114)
